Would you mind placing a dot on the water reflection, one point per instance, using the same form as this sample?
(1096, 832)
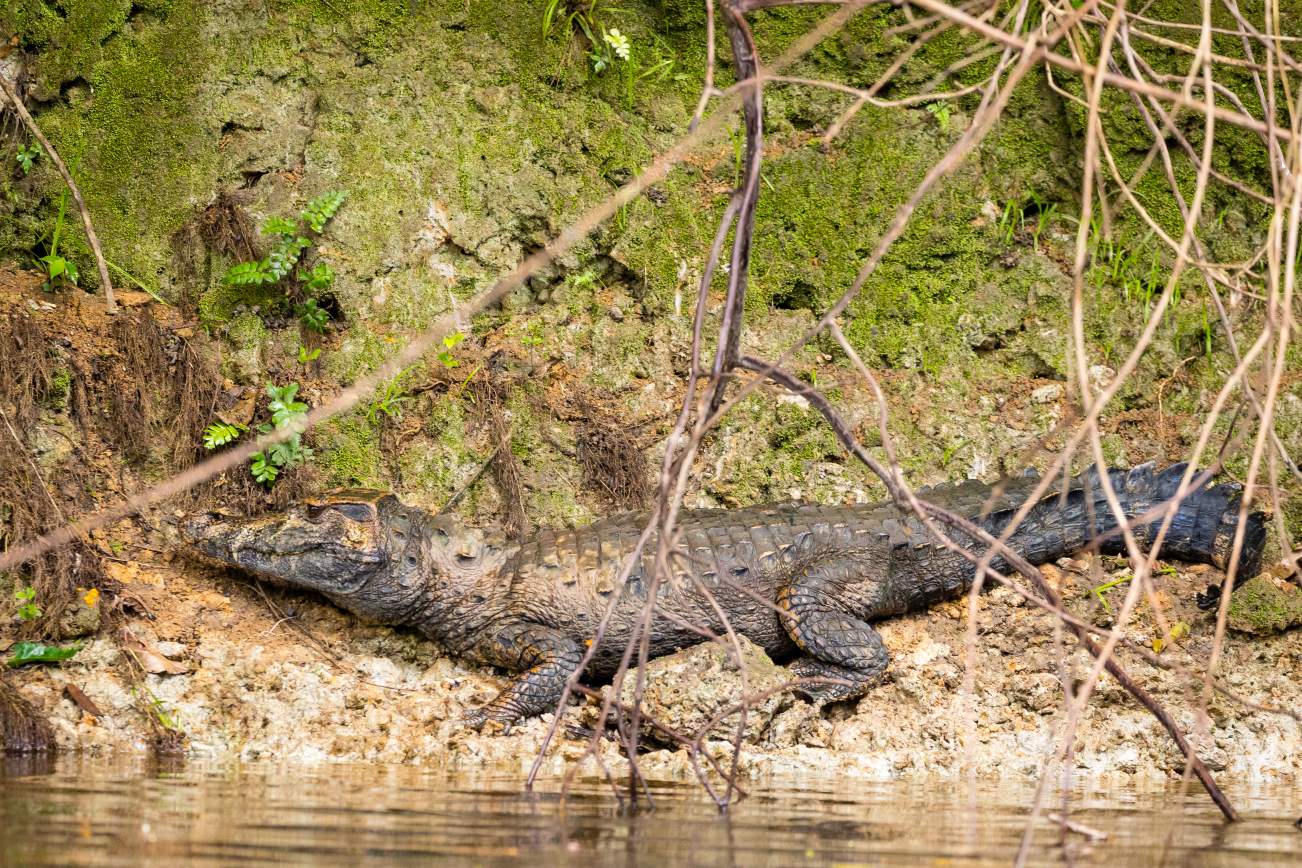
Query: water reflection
(83, 811)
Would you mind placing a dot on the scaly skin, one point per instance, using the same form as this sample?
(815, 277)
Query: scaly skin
(803, 581)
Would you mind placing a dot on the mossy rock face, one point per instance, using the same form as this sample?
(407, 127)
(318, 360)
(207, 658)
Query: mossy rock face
(465, 140)
(1264, 605)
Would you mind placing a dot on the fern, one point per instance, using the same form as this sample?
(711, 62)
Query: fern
(287, 416)
(322, 208)
(279, 226)
(313, 317)
(290, 246)
(249, 273)
(262, 469)
(285, 411)
(320, 278)
(281, 261)
(220, 433)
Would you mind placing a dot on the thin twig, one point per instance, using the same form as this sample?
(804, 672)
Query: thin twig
(110, 303)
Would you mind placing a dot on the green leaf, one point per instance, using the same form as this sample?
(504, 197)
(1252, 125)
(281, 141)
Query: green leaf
(262, 469)
(220, 433)
(26, 157)
(322, 208)
(279, 226)
(35, 652)
(285, 411)
(312, 315)
(319, 279)
(281, 261)
(249, 273)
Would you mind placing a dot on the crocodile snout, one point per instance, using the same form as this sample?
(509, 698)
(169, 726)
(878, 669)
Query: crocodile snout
(197, 526)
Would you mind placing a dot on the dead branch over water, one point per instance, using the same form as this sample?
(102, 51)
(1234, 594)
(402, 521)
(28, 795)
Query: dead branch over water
(1093, 47)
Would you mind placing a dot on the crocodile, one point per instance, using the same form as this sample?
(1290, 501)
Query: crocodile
(804, 581)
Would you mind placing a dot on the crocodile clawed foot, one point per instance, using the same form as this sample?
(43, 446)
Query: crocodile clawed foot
(820, 695)
(479, 718)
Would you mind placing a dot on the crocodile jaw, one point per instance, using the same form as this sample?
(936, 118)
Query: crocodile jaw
(331, 554)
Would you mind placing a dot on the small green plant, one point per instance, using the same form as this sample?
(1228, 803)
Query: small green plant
(219, 434)
(942, 112)
(27, 610)
(306, 356)
(292, 240)
(1009, 219)
(157, 710)
(287, 416)
(1045, 211)
(390, 398)
(27, 156)
(533, 335)
(58, 270)
(312, 316)
(321, 209)
(445, 356)
(319, 278)
(608, 46)
(166, 719)
(1031, 218)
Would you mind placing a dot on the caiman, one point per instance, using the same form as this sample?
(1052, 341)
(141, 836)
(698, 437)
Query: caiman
(803, 581)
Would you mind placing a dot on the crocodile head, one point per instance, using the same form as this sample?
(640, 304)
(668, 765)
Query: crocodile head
(334, 544)
(365, 550)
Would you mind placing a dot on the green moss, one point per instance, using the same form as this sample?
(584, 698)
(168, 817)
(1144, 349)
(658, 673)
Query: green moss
(360, 351)
(433, 469)
(246, 335)
(56, 397)
(127, 123)
(558, 507)
(219, 304)
(348, 450)
(1263, 607)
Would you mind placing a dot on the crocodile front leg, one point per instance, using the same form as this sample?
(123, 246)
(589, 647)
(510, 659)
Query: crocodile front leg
(543, 656)
(839, 644)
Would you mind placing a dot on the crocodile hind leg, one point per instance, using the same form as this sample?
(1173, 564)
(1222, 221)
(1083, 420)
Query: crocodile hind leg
(839, 645)
(543, 656)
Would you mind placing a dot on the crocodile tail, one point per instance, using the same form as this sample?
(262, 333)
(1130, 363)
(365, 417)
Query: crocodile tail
(1202, 529)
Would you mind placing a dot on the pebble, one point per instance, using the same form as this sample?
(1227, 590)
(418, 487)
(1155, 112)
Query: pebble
(1046, 394)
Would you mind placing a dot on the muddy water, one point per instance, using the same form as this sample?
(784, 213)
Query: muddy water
(89, 812)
